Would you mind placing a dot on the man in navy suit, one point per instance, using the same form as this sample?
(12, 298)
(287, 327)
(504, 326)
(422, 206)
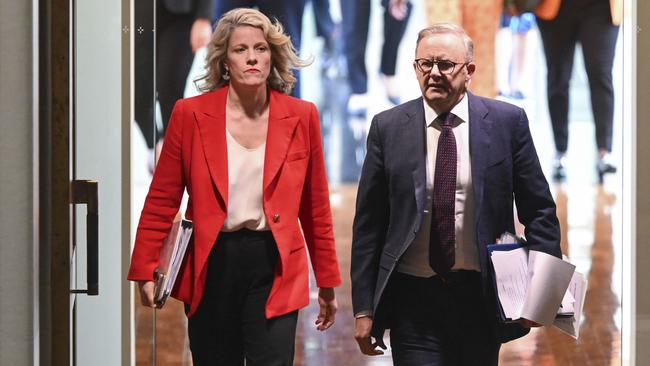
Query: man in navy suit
(436, 187)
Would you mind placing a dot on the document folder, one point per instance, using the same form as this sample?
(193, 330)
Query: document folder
(171, 258)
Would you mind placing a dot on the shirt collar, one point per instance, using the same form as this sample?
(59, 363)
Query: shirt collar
(461, 110)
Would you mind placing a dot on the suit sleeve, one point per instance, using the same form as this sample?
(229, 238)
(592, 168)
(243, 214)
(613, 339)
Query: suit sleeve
(204, 9)
(535, 205)
(315, 213)
(370, 224)
(162, 202)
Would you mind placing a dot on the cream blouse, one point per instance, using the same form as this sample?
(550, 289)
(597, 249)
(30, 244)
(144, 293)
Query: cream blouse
(245, 174)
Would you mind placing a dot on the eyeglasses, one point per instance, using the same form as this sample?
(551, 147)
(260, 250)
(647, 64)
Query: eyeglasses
(444, 66)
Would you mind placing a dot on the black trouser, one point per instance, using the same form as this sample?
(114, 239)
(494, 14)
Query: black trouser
(436, 323)
(356, 20)
(173, 62)
(588, 22)
(230, 324)
(323, 18)
(288, 12)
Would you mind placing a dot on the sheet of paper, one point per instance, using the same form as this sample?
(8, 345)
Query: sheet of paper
(511, 269)
(578, 289)
(549, 279)
(568, 302)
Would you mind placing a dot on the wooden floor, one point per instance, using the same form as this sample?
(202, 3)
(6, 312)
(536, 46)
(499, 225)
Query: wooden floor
(586, 219)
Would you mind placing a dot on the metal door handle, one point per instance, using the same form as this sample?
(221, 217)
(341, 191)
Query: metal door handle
(85, 192)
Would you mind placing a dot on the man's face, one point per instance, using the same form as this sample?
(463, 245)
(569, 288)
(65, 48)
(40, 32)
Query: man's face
(443, 90)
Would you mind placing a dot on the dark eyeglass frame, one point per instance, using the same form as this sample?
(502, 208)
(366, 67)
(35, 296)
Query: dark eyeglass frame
(437, 63)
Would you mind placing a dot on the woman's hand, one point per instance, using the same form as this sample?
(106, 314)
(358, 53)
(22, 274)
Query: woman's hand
(328, 306)
(146, 293)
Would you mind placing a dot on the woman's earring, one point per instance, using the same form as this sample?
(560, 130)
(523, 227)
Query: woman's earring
(226, 75)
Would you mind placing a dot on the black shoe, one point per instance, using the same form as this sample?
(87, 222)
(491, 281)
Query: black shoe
(559, 172)
(603, 168)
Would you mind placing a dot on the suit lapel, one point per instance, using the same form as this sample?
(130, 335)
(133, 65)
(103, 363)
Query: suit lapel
(212, 128)
(479, 145)
(278, 137)
(416, 151)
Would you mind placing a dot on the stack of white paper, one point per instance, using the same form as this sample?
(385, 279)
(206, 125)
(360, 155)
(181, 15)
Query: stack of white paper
(530, 285)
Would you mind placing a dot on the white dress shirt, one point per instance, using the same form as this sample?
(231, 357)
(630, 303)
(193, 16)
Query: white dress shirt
(415, 261)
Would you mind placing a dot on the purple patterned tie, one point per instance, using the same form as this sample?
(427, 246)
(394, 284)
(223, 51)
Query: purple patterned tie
(443, 226)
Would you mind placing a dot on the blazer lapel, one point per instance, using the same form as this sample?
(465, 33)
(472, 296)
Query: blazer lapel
(278, 136)
(479, 147)
(416, 144)
(212, 128)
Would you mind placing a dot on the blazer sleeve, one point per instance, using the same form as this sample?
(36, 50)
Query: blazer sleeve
(535, 205)
(315, 213)
(204, 9)
(370, 224)
(162, 202)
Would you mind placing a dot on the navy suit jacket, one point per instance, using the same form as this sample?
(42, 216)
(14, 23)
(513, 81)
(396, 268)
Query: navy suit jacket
(392, 197)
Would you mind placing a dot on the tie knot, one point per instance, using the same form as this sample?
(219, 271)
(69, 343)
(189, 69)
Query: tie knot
(447, 119)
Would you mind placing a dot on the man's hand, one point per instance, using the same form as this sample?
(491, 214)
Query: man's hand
(362, 327)
(146, 293)
(529, 323)
(328, 307)
(200, 34)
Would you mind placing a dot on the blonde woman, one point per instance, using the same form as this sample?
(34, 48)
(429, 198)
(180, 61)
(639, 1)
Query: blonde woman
(251, 159)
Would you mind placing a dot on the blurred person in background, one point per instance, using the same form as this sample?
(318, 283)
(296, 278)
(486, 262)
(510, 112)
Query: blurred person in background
(356, 22)
(594, 24)
(512, 64)
(182, 27)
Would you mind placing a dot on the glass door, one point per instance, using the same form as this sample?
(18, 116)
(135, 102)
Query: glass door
(99, 152)
(160, 335)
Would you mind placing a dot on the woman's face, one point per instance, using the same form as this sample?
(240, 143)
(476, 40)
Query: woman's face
(248, 59)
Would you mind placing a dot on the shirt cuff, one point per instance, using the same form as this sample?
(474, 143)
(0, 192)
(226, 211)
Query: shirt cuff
(363, 314)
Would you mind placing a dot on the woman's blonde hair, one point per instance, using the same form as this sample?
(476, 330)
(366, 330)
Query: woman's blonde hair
(283, 54)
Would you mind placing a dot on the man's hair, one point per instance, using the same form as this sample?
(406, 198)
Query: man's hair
(284, 57)
(449, 28)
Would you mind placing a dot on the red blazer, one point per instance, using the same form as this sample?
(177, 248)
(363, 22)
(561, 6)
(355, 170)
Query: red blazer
(295, 197)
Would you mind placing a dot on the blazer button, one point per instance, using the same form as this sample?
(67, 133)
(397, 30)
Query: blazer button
(276, 217)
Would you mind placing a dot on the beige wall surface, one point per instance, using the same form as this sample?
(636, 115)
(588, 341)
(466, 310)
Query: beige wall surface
(642, 106)
(16, 197)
